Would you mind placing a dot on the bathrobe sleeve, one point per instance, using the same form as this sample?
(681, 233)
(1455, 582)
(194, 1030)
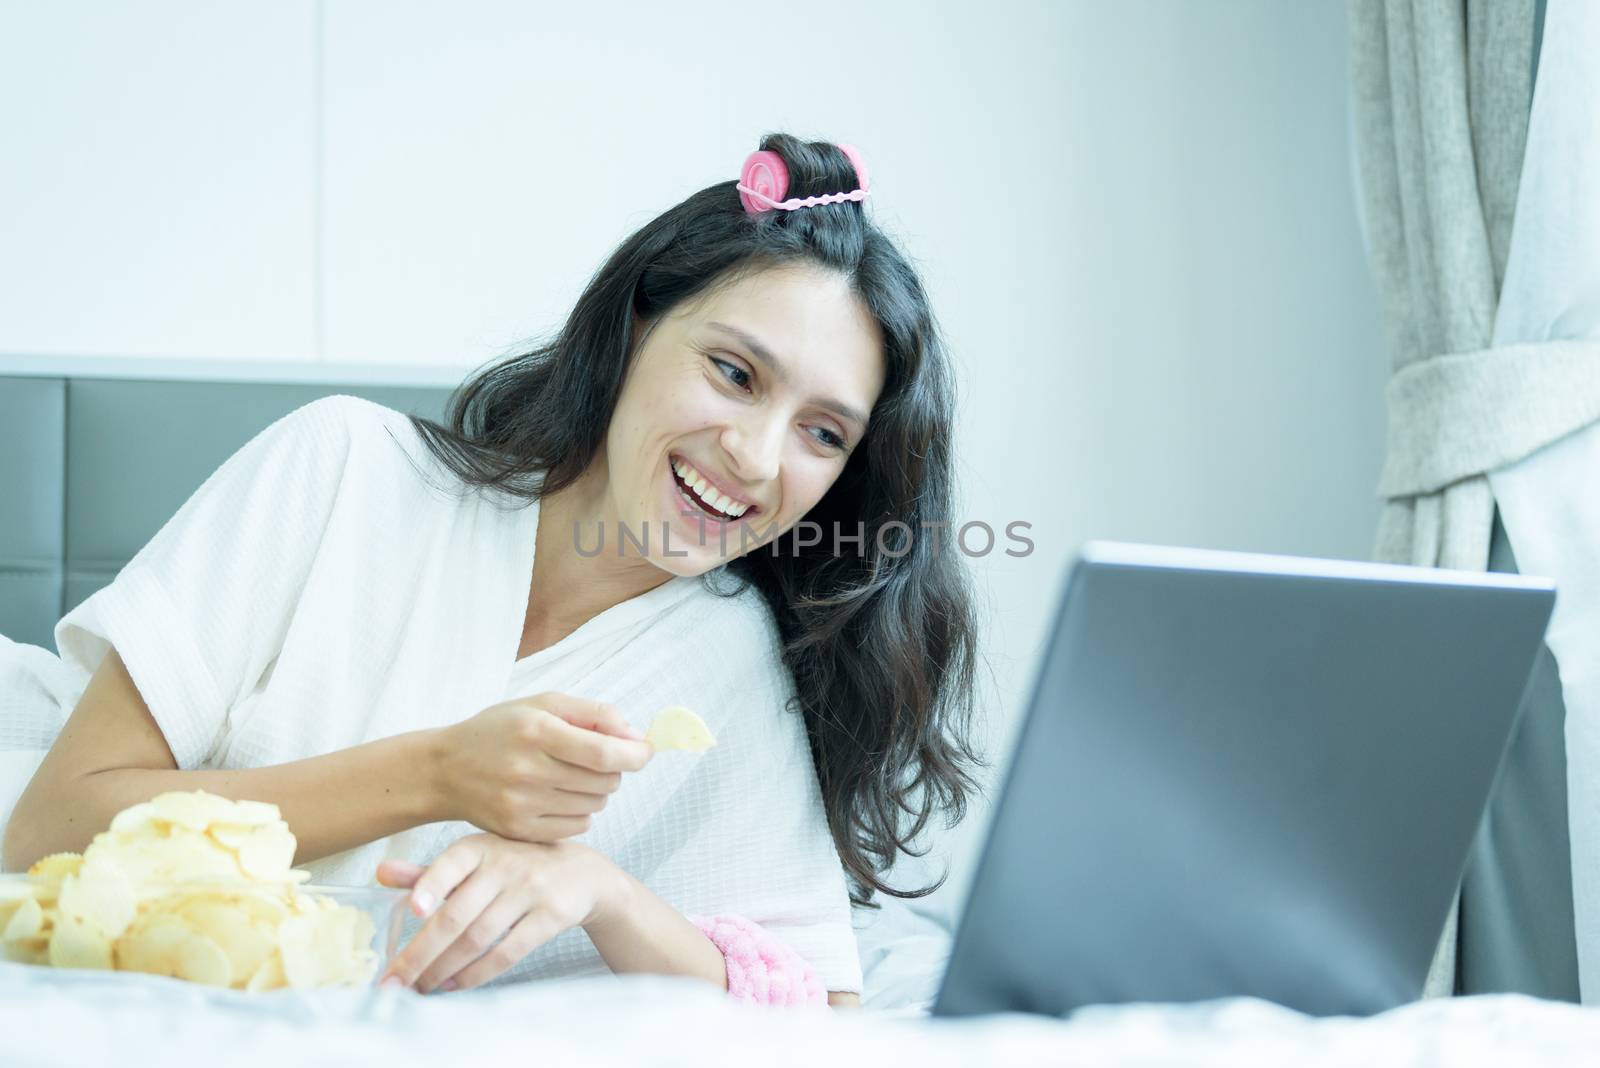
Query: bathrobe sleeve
(200, 612)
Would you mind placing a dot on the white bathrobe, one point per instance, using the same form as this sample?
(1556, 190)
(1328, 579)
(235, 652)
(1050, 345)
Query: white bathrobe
(317, 593)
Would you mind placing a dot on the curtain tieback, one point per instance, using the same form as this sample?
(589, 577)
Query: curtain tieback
(1455, 416)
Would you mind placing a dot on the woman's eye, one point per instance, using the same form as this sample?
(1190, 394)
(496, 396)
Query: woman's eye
(741, 379)
(729, 370)
(829, 438)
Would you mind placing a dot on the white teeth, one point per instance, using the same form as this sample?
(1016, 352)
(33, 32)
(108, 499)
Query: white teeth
(718, 500)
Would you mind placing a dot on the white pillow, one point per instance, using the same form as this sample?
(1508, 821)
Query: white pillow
(903, 956)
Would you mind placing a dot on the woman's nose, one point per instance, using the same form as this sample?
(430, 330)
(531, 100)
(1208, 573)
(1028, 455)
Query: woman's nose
(754, 447)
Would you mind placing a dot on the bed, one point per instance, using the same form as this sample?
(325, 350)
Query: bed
(90, 1018)
(80, 1017)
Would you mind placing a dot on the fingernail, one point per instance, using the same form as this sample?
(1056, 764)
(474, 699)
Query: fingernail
(448, 985)
(422, 902)
(391, 982)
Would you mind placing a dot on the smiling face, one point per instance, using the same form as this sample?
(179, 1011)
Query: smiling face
(738, 412)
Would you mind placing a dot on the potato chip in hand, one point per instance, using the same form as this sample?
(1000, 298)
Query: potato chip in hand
(679, 728)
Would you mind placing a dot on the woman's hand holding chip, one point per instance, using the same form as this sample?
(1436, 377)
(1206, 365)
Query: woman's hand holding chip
(534, 769)
(490, 902)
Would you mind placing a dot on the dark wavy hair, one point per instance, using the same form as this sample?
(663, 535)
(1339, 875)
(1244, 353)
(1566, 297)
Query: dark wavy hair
(882, 647)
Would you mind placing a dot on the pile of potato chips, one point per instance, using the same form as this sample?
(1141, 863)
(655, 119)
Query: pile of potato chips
(189, 885)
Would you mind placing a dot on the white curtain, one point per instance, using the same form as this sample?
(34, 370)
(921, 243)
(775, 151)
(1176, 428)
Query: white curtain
(1550, 499)
(1442, 92)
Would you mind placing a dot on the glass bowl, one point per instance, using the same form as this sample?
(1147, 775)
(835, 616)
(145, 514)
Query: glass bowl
(385, 906)
(25, 938)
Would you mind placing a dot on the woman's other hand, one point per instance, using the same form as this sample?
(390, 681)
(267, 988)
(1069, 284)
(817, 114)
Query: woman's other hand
(490, 902)
(535, 769)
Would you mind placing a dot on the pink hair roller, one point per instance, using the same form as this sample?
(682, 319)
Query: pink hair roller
(860, 164)
(764, 181)
(764, 175)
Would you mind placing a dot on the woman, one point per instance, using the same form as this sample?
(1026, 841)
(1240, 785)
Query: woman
(615, 518)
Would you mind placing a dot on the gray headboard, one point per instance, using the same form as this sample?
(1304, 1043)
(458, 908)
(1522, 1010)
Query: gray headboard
(92, 466)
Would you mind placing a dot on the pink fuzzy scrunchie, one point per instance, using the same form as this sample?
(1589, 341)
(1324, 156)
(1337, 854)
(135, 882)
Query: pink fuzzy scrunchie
(761, 969)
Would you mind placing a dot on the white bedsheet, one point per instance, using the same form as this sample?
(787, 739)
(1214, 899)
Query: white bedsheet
(98, 1018)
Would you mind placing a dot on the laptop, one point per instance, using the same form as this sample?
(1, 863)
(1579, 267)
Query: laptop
(1244, 775)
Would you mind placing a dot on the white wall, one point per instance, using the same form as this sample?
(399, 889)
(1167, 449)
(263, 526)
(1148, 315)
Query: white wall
(156, 180)
(1136, 220)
